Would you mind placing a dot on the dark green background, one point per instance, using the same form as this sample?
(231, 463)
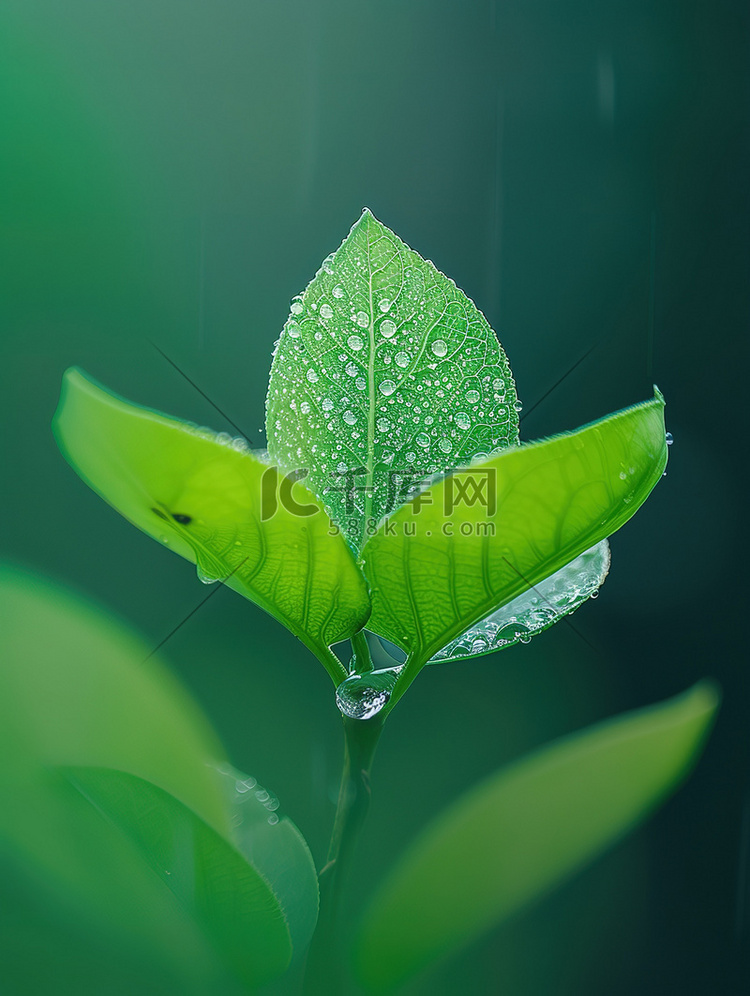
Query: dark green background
(176, 170)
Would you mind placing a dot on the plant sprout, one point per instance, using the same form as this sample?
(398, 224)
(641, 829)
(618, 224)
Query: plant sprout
(396, 503)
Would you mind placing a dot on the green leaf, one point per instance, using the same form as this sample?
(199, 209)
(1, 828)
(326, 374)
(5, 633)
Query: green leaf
(210, 880)
(534, 610)
(208, 498)
(273, 844)
(76, 690)
(385, 373)
(448, 559)
(524, 830)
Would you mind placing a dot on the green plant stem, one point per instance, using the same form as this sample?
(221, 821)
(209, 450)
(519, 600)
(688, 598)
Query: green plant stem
(325, 969)
(362, 659)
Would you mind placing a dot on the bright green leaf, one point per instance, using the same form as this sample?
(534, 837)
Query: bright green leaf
(211, 881)
(385, 374)
(446, 560)
(524, 830)
(273, 844)
(208, 498)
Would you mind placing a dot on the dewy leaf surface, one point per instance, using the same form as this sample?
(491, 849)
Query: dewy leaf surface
(208, 498)
(385, 373)
(534, 610)
(447, 559)
(524, 830)
(218, 888)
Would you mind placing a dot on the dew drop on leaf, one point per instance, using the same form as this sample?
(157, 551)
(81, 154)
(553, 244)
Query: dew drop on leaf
(388, 328)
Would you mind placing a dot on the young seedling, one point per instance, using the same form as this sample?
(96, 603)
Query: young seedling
(395, 502)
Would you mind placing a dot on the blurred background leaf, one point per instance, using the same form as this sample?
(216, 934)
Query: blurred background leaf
(122, 859)
(515, 836)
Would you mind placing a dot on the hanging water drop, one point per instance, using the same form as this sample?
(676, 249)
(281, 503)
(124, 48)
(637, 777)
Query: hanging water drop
(362, 696)
(387, 387)
(362, 320)
(384, 304)
(326, 311)
(439, 347)
(669, 439)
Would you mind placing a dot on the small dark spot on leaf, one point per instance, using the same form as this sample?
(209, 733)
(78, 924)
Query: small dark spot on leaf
(184, 520)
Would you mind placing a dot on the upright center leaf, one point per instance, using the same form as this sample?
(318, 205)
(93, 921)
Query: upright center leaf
(385, 374)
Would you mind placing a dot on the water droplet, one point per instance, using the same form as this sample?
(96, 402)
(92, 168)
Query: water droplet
(350, 418)
(388, 328)
(311, 376)
(623, 475)
(423, 439)
(341, 468)
(411, 457)
(326, 311)
(273, 819)
(387, 387)
(296, 306)
(293, 330)
(326, 404)
(204, 577)
(439, 347)
(352, 369)
(498, 384)
(479, 645)
(385, 304)
(305, 408)
(338, 292)
(383, 425)
(402, 359)
(669, 438)
(472, 396)
(355, 342)
(518, 405)
(362, 319)
(462, 420)
(363, 696)
(445, 445)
